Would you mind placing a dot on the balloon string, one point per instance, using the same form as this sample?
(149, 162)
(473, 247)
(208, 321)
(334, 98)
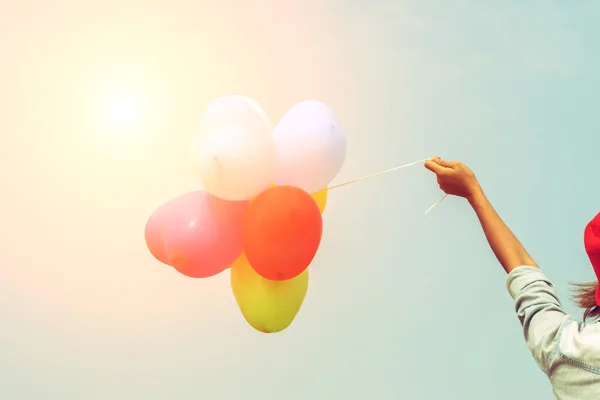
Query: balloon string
(372, 175)
(436, 203)
(383, 173)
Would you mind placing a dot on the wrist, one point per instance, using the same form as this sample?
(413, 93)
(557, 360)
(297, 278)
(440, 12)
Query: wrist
(476, 196)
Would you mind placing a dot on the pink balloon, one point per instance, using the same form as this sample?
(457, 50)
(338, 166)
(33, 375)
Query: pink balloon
(205, 238)
(161, 219)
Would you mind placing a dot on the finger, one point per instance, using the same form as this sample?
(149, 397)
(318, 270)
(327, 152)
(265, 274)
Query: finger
(448, 164)
(434, 167)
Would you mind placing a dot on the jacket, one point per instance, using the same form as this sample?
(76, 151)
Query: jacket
(566, 350)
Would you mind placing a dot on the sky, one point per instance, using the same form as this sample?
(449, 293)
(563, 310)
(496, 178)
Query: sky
(400, 305)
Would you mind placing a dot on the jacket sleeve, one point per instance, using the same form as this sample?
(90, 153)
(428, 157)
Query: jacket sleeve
(539, 311)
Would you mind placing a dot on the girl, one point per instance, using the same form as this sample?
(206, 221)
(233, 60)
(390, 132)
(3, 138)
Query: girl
(566, 350)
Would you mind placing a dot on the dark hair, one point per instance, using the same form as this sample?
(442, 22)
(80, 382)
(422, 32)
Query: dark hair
(585, 297)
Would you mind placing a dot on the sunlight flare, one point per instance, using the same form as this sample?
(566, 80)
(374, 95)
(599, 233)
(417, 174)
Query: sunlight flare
(124, 110)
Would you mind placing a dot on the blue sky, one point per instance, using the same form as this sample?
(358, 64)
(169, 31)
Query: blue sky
(400, 305)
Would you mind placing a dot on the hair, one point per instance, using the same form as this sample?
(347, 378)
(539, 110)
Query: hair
(584, 295)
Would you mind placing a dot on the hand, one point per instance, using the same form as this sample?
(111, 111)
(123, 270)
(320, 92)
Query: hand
(454, 177)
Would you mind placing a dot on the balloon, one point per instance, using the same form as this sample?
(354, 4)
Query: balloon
(256, 107)
(207, 237)
(162, 218)
(227, 110)
(268, 306)
(320, 197)
(234, 109)
(281, 232)
(311, 147)
(234, 152)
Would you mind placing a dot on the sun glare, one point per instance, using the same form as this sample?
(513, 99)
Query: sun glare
(124, 110)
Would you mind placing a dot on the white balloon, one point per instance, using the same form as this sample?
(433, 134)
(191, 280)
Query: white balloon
(232, 109)
(259, 110)
(311, 147)
(234, 150)
(227, 110)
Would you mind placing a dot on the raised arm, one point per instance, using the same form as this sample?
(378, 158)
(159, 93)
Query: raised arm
(536, 302)
(456, 179)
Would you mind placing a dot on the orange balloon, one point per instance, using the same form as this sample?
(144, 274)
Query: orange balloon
(320, 197)
(281, 232)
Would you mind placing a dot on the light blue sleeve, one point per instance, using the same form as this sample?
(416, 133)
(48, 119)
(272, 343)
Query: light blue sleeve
(539, 311)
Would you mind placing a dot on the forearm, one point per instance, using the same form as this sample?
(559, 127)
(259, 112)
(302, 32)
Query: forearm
(507, 248)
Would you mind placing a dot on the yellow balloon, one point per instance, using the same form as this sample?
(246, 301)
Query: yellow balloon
(321, 198)
(268, 306)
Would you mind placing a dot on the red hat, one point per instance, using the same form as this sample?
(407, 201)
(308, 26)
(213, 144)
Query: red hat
(591, 239)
